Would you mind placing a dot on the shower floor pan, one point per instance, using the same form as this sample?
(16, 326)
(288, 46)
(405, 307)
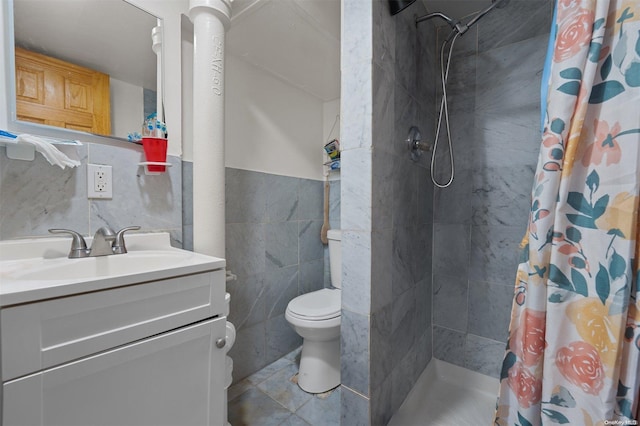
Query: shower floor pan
(446, 395)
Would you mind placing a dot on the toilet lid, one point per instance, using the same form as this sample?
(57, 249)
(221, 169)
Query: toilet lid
(317, 305)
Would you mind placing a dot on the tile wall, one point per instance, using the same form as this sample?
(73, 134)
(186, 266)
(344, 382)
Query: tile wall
(387, 68)
(273, 246)
(37, 196)
(494, 89)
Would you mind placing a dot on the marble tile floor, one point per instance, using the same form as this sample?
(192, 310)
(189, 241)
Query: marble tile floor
(271, 397)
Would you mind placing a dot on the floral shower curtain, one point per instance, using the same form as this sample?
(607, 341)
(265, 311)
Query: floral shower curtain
(573, 354)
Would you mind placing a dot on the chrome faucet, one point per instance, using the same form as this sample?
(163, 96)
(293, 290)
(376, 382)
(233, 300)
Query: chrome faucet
(118, 246)
(78, 244)
(105, 242)
(102, 242)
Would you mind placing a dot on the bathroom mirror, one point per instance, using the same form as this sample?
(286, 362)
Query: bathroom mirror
(112, 37)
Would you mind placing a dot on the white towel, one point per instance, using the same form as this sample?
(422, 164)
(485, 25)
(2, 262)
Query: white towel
(53, 155)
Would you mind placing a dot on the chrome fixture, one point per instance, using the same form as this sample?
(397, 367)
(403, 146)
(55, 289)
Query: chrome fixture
(456, 25)
(458, 28)
(78, 244)
(415, 144)
(102, 242)
(118, 246)
(105, 242)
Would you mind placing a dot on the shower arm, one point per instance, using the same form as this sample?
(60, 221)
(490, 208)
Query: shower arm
(483, 12)
(458, 26)
(436, 15)
(462, 28)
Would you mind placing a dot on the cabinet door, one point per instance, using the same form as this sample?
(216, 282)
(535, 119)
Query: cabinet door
(57, 93)
(176, 378)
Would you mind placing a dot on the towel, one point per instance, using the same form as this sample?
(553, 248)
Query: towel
(52, 154)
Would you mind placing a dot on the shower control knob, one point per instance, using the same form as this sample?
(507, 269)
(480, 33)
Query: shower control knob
(220, 343)
(415, 144)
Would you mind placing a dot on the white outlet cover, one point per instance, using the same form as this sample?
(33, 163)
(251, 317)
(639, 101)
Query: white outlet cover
(95, 189)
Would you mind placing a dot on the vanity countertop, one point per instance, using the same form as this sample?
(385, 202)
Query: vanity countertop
(38, 268)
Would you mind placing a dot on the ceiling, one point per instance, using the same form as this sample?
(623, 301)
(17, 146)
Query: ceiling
(296, 40)
(299, 40)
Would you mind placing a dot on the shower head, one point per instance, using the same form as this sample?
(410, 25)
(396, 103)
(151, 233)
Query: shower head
(499, 3)
(397, 6)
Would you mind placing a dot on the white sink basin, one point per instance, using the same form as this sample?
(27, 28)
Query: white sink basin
(95, 267)
(36, 269)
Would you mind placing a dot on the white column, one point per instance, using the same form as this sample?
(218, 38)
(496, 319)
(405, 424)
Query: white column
(210, 20)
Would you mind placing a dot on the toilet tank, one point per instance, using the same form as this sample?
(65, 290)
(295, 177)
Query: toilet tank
(335, 257)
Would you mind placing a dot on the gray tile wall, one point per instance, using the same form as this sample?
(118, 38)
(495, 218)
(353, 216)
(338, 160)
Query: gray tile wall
(405, 352)
(386, 208)
(356, 202)
(273, 246)
(37, 196)
(494, 88)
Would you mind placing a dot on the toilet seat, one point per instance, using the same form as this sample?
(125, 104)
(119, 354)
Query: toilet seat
(316, 306)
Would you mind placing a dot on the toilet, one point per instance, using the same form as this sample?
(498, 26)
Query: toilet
(315, 316)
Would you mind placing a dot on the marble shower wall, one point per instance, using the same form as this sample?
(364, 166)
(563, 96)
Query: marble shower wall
(387, 69)
(494, 100)
(37, 196)
(273, 246)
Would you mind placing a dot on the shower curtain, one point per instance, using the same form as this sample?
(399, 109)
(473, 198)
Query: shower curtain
(573, 353)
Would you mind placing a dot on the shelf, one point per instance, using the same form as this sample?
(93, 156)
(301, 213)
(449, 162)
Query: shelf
(154, 163)
(146, 165)
(26, 151)
(333, 164)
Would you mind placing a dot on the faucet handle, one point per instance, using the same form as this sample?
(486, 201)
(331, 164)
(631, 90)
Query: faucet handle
(118, 245)
(78, 244)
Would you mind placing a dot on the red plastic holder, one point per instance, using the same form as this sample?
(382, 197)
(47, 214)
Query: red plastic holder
(155, 151)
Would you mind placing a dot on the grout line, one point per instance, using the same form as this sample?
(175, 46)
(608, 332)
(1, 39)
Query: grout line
(356, 392)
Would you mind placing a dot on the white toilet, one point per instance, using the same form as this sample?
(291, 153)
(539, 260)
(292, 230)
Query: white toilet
(316, 318)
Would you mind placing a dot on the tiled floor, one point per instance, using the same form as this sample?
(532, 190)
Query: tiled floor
(271, 397)
(444, 395)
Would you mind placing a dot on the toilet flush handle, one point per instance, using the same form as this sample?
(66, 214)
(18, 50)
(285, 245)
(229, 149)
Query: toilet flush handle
(221, 342)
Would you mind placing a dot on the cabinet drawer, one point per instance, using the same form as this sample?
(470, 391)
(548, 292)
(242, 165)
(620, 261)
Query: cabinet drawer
(40, 335)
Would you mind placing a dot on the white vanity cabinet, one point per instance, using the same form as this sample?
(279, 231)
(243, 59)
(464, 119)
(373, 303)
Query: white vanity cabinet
(149, 352)
(169, 379)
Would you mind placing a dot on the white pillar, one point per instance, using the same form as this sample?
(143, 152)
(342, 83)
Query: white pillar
(210, 20)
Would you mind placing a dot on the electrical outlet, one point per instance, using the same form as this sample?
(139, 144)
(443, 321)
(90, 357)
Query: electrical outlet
(99, 181)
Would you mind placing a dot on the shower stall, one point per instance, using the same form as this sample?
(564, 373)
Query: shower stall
(428, 273)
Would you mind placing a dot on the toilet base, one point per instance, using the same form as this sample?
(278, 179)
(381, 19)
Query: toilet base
(319, 365)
